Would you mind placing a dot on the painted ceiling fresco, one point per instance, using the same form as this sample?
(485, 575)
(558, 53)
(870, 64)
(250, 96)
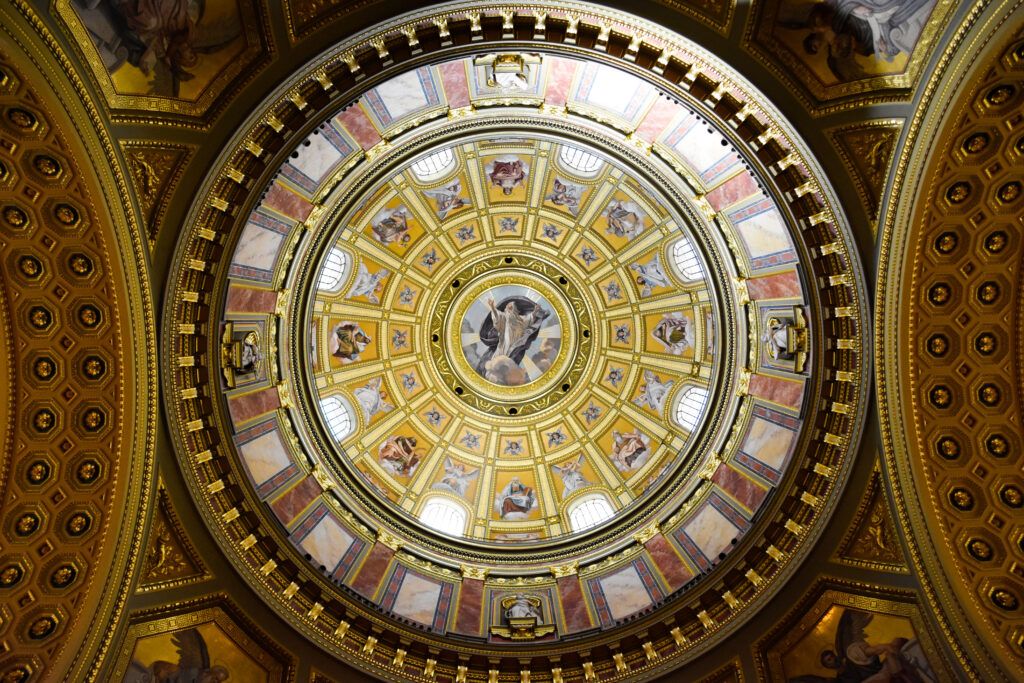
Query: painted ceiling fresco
(514, 335)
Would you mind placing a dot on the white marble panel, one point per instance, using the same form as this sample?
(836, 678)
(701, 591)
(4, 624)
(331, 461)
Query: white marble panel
(625, 593)
(613, 89)
(417, 599)
(265, 456)
(701, 149)
(711, 531)
(316, 159)
(764, 233)
(258, 247)
(768, 442)
(402, 94)
(327, 542)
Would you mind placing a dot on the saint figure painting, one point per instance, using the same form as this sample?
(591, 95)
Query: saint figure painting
(510, 335)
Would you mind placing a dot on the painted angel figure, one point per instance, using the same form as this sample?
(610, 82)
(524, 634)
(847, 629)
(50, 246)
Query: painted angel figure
(856, 661)
(653, 392)
(193, 664)
(447, 199)
(625, 219)
(650, 275)
(565, 193)
(399, 455)
(508, 224)
(515, 501)
(368, 284)
(572, 478)
(507, 172)
(391, 226)
(409, 382)
(372, 399)
(675, 332)
(456, 479)
(630, 450)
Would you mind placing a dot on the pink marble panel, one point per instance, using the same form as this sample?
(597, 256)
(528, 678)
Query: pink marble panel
(287, 202)
(570, 593)
(296, 499)
(668, 562)
(358, 125)
(560, 75)
(374, 568)
(739, 487)
(778, 286)
(249, 300)
(777, 389)
(733, 190)
(243, 408)
(471, 598)
(456, 86)
(657, 119)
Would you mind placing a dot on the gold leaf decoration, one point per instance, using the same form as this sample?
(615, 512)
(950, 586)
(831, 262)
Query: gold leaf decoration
(170, 559)
(155, 170)
(872, 541)
(867, 150)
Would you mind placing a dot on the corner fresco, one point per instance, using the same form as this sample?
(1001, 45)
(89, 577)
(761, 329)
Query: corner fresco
(172, 56)
(842, 48)
(845, 637)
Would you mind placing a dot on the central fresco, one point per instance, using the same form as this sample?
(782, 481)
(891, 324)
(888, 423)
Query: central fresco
(512, 322)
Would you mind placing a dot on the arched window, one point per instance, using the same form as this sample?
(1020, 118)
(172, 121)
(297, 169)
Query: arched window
(334, 271)
(690, 407)
(433, 166)
(445, 516)
(338, 415)
(685, 259)
(584, 163)
(588, 512)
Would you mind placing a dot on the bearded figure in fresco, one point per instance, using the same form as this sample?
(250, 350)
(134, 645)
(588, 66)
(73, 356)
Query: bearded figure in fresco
(391, 226)
(630, 450)
(856, 661)
(347, 341)
(508, 332)
(507, 172)
(399, 455)
(515, 501)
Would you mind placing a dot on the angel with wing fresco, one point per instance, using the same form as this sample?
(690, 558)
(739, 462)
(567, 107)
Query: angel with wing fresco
(447, 199)
(193, 664)
(457, 479)
(565, 193)
(856, 661)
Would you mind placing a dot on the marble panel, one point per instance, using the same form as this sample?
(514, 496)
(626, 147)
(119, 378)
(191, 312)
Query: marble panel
(402, 95)
(768, 442)
(740, 487)
(574, 607)
(471, 599)
(327, 542)
(455, 83)
(625, 592)
(355, 121)
(317, 157)
(777, 286)
(284, 201)
(761, 228)
(711, 531)
(417, 599)
(668, 562)
(249, 300)
(615, 91)
(296, 499)
(264, 456)
(658, 117)
(248, 406)
(733, 190)
(777, 389)
(560, 74)
(258, 247)
(368, 578)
